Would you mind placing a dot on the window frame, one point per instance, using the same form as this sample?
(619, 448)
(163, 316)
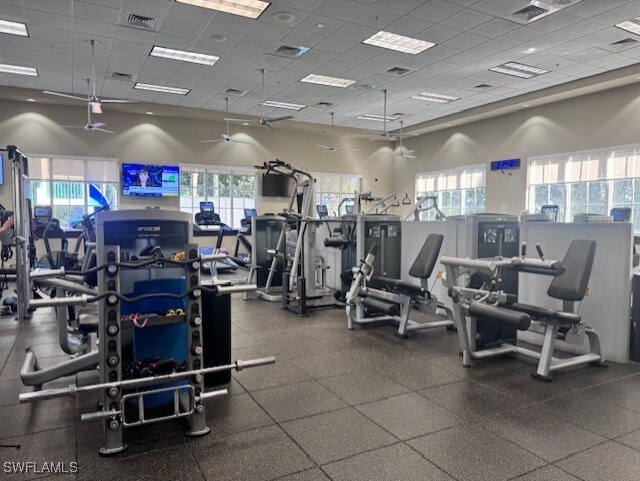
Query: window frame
(450, 193)
(606, 174)
(342, 194)
(51, 181)
(216, 170)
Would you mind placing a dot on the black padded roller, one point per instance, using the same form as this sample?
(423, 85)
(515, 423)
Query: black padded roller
(374, 249)
(519, 320)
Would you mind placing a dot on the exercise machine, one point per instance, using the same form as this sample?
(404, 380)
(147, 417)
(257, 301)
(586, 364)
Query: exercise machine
(420, 208)
(489, 302)
(391, 299)
(154, 334)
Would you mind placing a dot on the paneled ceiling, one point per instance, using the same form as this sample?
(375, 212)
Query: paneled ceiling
(471, 36)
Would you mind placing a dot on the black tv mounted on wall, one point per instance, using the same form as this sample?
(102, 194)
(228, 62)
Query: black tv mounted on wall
(276, 185)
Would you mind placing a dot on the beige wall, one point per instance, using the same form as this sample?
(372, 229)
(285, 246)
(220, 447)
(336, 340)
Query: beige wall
(602, 119)
(35, 129)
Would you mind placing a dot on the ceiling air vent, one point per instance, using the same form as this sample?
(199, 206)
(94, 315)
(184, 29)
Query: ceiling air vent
(483, 87)
(398, 71)
(324, 104)
(535, 10)
(623, 44)
(121, 76)
(235, 92)
(362, 86)
(291, 52)
(135, 20)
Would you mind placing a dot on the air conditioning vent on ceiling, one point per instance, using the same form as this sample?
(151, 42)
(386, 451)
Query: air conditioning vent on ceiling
(398, 71)
(324, 104)
(121, 76)
(235, 92)
(623, 44)
(134, 20)
(291, 52)
(530, 12)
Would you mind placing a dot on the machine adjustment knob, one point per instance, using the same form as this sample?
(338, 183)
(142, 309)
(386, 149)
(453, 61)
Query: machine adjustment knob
(196, 350)
(113, 361)
(113, 392)
(114, 424)
(196, 293)
(199, 408)
(113, 329)
(198, 378)
(112, 269)
(112, 300)
(195, 266)
(196, 321)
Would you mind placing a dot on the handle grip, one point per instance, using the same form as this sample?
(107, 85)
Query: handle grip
(539, 249)
(523, 251)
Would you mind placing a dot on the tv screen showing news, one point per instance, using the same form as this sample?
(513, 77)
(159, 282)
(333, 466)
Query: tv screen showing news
(150, 180)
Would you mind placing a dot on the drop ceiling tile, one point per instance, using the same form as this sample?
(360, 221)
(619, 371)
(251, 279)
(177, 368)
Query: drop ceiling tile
(330, 24)
(319, 57)
(135, 35)
(148, 8)
(520, 35)
(15, 41)
(169, 99)
(437, 34)
(606, 36)
(231, 37)
(244, 55)
(336, 45)
(94, 29)
(589, 8)
(43, 34)
(269, 31)
(555, 22)
(306, 5)
(60, 7)
(195, 102)
(580, 29)
(178, 28)
(97, 13)
(190, 13)
(618, 14)
(436, 10)
(409, 25)
(233, 23)
(401, 6)
(273, 63)
(159, 73)
(254, 44)
(50, 20)
(341, 9)
(301, 38)
(611, 61)
(367, 52)
(495, 27)
(128, 58)
(467, 19)
(465, 40)
(133, 48)
(24, 82)
(354, 33)
(378, 17)
(52, 68)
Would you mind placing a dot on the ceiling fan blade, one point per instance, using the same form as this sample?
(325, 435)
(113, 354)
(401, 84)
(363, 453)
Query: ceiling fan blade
(248, 142)
(212, 141)
(278, 119)
(267, 123)
(116, 101)
(58, 94)
(99, 124)
(346, 150)
(104, 130)
(73, 126)
(324, 147)
(240, 120)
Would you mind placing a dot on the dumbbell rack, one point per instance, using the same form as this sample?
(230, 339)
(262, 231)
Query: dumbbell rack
(187, 398)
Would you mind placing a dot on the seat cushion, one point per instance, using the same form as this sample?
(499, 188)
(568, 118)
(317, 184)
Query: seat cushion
(542, 313)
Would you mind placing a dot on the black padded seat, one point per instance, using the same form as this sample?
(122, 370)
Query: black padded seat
(542, 313)
(423, 266)
(88, 323)
(378, 306)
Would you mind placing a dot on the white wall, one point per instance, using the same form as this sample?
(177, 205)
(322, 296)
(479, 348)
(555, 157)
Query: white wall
(35, 129)
(602, 119)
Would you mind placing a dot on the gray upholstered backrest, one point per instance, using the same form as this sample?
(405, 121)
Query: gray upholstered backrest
(578, 261)
(425, 262)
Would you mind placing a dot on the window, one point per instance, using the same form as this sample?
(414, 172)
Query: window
(230, 191)
(331, 189)
(73, 186)
(586, 182)
(460, 191)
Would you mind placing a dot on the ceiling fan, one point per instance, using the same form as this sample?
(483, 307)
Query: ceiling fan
(332, 148)
(384, 135)
(227, 137)
(95, 104)
(90, 125)
(409, 154)
(264, 120)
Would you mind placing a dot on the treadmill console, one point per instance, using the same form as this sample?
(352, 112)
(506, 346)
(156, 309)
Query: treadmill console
(550, 209)
(42, 214)
(322, 210)
(621, 214)
(207, 215)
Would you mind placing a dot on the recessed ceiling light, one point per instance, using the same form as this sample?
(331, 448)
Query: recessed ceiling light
(516, 69)
(31, 100)
(219, 38)
(377, 118)
(399, 43)
(531, 50)
(149, 113)
(282, 105)
(245, 123)
(244, 8)
(17, 69)
(632, 25)
(320, 25)
(13, 28)
(161, 88)
(331, 81)
(183, 56)
(439, 99)
(526, 105)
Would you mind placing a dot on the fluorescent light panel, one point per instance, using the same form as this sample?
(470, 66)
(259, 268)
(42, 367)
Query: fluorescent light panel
(519, 70)
(399, 43)
(13, 28)
(377, 118)
(244, 8)
(161, 88)
(437, 98)
(17, 69)
(184, 56)
(282, 105)
(632, 25)
(330, 81)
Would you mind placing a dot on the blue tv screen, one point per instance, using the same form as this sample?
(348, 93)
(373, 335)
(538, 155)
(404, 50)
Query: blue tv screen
(1, 170)
(150, 180)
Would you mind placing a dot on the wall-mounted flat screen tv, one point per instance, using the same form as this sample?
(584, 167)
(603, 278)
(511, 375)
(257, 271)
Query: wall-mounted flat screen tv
(151, 180)
(1, 170)
(276, 185)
